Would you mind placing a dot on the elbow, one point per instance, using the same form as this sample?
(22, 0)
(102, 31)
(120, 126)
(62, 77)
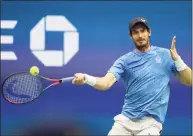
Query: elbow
(105, 87)
(189, 83)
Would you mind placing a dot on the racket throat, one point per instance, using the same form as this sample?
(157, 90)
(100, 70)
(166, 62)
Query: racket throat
(60, 81)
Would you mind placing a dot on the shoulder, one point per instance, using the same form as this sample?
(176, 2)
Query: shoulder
(124, 58)
(161, 50)
(127, 56)
(164, 52)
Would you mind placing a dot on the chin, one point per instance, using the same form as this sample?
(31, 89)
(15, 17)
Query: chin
(141, 46)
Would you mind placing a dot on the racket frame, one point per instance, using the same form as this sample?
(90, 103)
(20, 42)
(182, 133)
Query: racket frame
(55, 82)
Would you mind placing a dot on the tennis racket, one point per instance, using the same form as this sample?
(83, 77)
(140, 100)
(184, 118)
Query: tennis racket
(22, 87)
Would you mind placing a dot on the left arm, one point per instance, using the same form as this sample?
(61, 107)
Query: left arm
(185, 76)
(185, 72)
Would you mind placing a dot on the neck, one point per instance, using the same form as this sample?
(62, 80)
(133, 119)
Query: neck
(143, 48)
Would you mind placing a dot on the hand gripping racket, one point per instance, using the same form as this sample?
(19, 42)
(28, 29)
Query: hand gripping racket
(22, 87)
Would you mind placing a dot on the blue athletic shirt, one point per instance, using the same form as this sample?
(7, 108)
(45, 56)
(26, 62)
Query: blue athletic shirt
(146, 77)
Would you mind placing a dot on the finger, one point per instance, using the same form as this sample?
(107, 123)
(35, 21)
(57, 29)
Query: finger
(76, 75)
(171, 51)
(173, 42)
(76, 82)
(80, 80)
(73, 81)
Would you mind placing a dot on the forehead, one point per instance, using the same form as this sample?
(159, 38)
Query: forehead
(139, 26)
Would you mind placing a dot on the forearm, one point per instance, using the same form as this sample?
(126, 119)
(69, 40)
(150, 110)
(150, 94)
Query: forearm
(185, 76)
(185, 72)
(100, 83)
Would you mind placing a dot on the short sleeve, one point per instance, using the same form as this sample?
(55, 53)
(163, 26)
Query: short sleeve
(117, 69)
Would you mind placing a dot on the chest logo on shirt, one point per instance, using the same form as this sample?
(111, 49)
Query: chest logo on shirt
(158, 59)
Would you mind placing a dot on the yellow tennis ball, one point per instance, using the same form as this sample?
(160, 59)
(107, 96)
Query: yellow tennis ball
(34, 70)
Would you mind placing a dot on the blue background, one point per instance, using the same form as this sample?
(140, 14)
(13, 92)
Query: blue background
(103, 29)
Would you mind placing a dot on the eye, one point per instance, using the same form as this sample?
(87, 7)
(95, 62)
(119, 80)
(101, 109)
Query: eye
(134, 32)
(143, 30)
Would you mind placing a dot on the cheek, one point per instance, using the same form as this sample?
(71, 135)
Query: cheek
(135, 38)
(147, 37)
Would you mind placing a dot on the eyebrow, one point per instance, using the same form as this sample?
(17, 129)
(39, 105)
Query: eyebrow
(134, 30)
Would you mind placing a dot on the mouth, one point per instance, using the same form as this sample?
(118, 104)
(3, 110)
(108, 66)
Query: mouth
(140, 40)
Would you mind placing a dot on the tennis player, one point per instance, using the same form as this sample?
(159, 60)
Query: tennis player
(146, 73)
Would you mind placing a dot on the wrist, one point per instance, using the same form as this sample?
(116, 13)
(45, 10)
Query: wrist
(176, 58)
(90, 80)
(180, 65)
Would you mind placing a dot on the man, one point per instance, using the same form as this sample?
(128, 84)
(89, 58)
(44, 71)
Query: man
(146, 73)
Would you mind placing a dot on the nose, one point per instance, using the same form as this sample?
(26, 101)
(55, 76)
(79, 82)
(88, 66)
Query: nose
(140, 35)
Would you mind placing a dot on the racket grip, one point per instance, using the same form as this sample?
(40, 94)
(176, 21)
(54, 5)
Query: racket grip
(67, 79)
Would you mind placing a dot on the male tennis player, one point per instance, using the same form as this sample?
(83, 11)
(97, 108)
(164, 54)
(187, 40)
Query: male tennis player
(146, 73)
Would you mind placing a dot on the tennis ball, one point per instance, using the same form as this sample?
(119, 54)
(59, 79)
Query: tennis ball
(34, 70)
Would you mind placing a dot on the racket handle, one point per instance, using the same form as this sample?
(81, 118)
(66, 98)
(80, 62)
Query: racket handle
(67, 79)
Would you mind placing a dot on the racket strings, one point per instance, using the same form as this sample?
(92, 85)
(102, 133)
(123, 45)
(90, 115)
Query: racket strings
(21, 88)
(7, 94)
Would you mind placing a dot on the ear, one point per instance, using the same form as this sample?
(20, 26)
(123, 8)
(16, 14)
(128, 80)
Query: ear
(130, 35)
(149, 32)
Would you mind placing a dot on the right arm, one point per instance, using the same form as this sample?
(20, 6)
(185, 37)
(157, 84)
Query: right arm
(101, 83)
(104, 83)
